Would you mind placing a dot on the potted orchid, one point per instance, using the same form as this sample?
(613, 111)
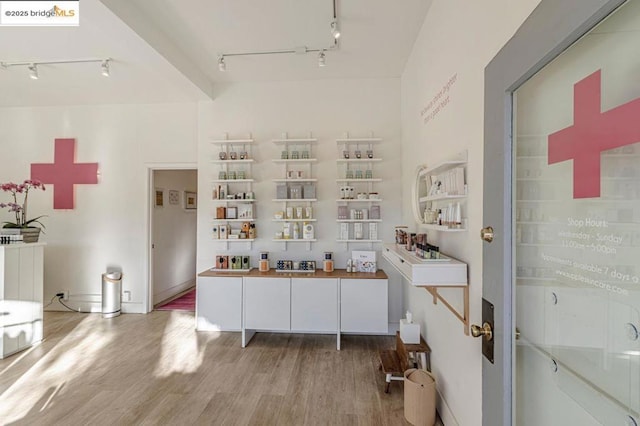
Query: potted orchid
(20, 192)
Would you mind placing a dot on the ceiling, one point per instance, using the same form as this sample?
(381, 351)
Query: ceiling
(174, 45)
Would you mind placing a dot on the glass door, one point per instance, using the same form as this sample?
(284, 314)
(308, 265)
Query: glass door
(576, 231)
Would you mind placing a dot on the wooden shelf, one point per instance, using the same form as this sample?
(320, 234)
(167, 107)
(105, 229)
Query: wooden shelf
(230, 270)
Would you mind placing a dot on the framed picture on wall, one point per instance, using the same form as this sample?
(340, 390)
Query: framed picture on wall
(159, 197)
(174, 197)
(190, 200)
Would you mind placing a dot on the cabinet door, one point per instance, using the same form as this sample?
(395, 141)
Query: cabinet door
(314, 304)
(267, 303)
(363, 306)
(219, 303)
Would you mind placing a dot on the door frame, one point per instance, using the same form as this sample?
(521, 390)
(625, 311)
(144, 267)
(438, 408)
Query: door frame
(550, 29)
(147, 302)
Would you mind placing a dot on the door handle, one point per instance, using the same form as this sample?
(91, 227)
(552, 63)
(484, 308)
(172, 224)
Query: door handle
(486, 234)
(485, 330)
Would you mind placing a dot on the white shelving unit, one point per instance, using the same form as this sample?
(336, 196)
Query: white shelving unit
(234, 157)
(355, 162)
(297, 160)
(443, 188)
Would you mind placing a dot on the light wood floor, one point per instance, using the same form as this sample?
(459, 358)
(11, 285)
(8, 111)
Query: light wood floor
(155, 369)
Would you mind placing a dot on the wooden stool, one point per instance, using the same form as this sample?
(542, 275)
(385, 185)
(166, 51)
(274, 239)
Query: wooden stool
(393, 363)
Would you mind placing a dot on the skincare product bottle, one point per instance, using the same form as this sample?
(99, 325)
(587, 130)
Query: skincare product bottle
(296, 231)
(327, 265)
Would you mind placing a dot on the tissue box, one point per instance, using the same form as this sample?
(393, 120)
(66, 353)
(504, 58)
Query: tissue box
(409, 332)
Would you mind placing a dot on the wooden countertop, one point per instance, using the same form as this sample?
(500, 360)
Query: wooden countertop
(319, 273)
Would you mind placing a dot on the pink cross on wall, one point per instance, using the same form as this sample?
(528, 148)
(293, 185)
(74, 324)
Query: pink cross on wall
(593, 131)
(64, 173)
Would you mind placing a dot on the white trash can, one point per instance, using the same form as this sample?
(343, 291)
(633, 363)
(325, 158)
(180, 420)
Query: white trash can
(111, 294)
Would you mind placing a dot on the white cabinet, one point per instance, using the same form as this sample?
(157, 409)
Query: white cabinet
(219, 304)
(314, 304)
(21, 295)
(364, 306)
(267, 303)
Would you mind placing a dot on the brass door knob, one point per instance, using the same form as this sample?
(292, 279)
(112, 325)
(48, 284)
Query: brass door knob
(487, 234)
(485, 330)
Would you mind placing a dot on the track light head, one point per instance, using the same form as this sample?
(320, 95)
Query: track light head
(222, 66)
(105, 68)
(33, 71)
(335, 29)
(321, 59)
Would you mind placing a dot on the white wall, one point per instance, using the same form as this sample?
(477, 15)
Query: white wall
(457, 40)
(174, 235)
(107, 226)
(327, 108)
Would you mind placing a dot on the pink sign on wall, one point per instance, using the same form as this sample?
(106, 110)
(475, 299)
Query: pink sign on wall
(593, 131)
(64, 173)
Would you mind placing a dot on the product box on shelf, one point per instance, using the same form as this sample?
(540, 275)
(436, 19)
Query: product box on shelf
(365, 261)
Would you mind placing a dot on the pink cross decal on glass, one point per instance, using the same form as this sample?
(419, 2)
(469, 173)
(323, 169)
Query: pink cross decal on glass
(64, 173)
(593, 131)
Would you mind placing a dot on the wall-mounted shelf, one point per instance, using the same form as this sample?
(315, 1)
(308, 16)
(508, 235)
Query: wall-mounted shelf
(356, 141)
(232, 220)
(358, 180)
(358, 200)
(246, 160)
(235, 200)
(432, 274)
(358, 220)
(295, 141)
(231, 141)
(441, 190)
(288, 200)
(296, 160)
(359, 241)
(294, 180)
(232, 180)
(236, 240)
(358, 160)
(294, 220)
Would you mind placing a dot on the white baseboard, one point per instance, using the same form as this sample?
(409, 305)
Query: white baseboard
(92, 304)
(444, 411)
(172, 291)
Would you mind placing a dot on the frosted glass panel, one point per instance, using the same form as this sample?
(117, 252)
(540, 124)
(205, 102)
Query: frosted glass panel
(577, 231)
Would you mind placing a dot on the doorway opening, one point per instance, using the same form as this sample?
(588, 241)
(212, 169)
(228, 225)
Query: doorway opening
(172, 229)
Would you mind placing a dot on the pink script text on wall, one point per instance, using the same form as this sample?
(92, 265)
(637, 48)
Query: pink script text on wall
(64, 173)
(593, 131)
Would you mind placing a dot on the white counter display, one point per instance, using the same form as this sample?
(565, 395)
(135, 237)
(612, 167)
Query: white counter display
(316, 302)
(21, 294)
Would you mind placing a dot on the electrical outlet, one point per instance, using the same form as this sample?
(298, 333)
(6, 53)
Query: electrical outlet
(65, 295)
(127, 296)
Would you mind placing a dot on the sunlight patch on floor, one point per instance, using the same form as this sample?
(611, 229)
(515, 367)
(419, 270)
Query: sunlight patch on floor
(56, 368)
(180, 350)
